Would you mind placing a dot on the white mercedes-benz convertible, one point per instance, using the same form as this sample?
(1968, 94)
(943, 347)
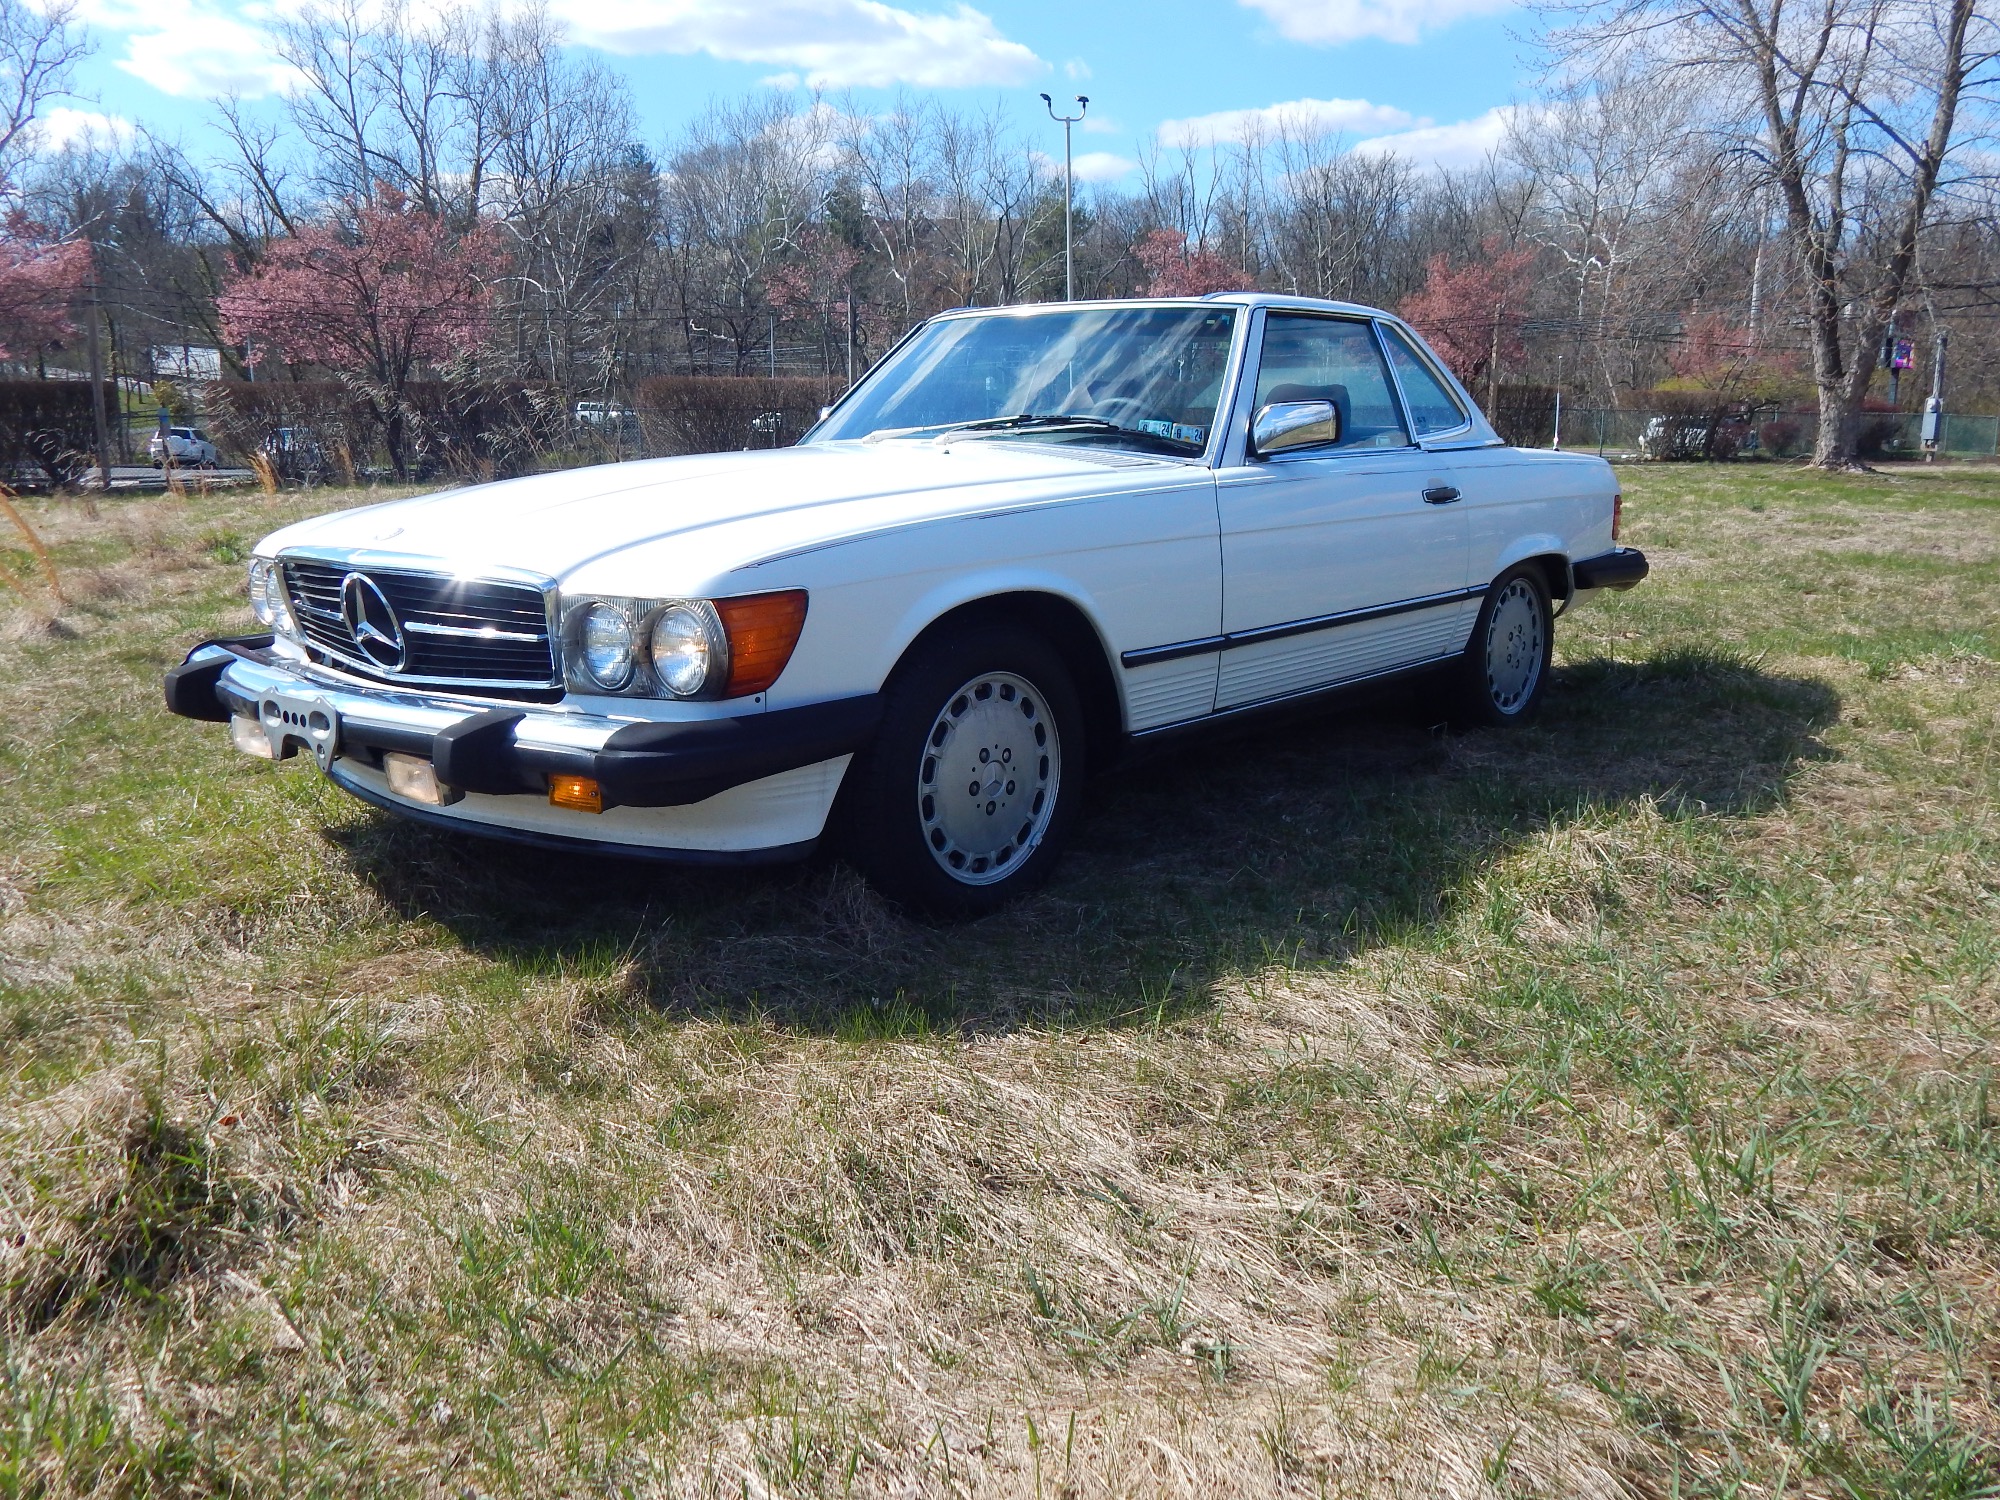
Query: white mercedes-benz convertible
(1029, 538)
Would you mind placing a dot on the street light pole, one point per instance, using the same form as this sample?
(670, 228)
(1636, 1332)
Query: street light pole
(1069, 190)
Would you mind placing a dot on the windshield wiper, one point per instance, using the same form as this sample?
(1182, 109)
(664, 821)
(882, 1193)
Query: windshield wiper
(1019, 420)
(1029, 421)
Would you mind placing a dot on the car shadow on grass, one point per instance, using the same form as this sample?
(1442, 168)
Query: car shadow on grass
(1313, 838)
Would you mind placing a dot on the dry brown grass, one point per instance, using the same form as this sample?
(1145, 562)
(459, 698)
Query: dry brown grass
(1603, 1111)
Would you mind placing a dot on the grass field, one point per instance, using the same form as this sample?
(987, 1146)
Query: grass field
(1604, 1110)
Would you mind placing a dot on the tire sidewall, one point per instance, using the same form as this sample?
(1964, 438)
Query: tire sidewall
(1476, 705)
(881, 829)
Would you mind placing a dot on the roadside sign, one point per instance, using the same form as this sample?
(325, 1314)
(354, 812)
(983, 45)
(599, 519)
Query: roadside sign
(1904, 355)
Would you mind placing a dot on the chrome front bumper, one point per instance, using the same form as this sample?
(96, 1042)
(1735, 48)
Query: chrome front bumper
(747, 783)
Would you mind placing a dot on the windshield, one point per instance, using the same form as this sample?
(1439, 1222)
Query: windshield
(1143, 377)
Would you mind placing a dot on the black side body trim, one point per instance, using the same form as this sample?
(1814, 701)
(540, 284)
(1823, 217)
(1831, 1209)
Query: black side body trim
(1150, 654)
(190, 686)
(1619, 569)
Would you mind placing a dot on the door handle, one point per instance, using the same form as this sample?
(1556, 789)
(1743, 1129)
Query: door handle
(1440, 494)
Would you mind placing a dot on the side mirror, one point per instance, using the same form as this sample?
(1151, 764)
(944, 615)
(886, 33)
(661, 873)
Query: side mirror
(1285, 425)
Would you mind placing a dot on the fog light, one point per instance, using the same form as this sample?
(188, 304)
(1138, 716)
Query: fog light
(578, 793)
(414, 777)
(248, 736)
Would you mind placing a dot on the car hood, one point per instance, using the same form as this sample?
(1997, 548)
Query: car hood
(767, 502)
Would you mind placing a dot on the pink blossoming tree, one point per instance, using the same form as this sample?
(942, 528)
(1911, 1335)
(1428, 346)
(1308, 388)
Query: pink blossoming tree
(39, 278)
(1472, 316)
(376, 303)
(1177, 271)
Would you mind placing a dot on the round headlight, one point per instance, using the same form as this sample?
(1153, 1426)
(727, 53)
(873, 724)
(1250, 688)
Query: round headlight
(606, 639)
(260, 590)
(682, 648)
(276, 611)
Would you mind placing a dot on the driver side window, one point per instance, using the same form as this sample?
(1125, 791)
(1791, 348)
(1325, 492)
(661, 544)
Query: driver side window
(1307, 358)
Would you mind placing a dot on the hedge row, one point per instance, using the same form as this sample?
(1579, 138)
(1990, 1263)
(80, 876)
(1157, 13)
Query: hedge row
(487, 429)
(721, 413)
(47, 430)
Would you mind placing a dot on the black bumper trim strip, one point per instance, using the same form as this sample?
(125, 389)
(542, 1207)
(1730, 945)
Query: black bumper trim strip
(190, 687)
(1619, 569)
(640, 765)
(1148, 655)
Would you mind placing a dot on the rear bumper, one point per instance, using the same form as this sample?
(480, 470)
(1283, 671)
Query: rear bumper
(1620, 568)
(703, 785)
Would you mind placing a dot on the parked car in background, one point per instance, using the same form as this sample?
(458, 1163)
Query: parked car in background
(1712, 433)
(188, 447)
(609, 420)
(1030, 539)
(294, 453)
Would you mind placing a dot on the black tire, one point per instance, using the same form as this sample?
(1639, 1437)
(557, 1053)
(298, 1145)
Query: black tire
(1504, 675)
(972, 695)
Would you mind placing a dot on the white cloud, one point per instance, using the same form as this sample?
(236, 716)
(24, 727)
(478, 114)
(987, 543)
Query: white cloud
(828, 43)
(191, 49)
(1331, 22)
(1464, 144)
(1089, 166)
(1101, 166)
(1076, 69)
(64, 126)
(1299, 116)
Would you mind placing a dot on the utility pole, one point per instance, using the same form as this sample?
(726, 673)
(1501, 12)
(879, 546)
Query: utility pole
(1556, 442)
(1069, 190)
(97, 397)
(1934, 404)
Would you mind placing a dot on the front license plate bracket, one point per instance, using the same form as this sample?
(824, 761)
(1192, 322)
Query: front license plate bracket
(300, 721)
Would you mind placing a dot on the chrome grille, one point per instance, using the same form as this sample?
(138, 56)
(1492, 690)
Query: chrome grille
(457, 632)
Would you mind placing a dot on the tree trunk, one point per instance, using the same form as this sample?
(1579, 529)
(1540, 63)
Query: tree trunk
(1843, 387)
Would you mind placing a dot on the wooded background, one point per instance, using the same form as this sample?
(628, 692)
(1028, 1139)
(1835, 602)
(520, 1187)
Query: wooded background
(464, 205)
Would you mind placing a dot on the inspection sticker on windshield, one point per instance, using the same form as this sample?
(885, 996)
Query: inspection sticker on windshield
(1175, 430)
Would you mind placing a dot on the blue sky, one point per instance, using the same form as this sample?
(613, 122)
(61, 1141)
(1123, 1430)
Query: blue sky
(1425, 77)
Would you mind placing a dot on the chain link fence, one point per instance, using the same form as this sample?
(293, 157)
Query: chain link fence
(1785, 434)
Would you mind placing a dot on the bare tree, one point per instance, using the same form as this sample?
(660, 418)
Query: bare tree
(1623, 198)
(40, 47)
(1853, 110)
(562, 133)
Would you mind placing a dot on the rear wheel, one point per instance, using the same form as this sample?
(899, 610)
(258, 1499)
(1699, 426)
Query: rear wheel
(967, 795)
(1505, 671)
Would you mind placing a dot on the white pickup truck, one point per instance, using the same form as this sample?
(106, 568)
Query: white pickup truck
(1030, 537)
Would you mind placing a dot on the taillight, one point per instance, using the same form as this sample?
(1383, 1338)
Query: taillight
(1617, 513)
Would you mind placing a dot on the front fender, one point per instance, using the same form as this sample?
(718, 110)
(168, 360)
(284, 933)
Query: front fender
(933, 603)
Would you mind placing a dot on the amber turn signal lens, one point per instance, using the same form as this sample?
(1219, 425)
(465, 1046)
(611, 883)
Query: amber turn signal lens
(578, 793)
(763, 629)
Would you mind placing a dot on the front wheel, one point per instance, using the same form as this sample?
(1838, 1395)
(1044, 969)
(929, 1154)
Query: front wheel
(1504, 673)
(967, 795)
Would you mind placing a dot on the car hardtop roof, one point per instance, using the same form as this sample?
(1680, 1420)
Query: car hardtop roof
(1238, 299)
